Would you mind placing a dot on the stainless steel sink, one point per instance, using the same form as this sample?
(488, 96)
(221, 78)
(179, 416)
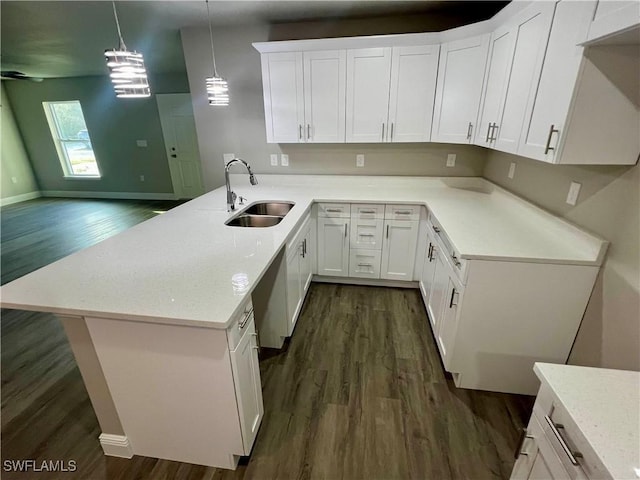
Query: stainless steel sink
(279, 209)
(244, 220)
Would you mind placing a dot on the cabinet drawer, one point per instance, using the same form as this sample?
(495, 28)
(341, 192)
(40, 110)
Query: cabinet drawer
(402, 212)
(364, 210)
(364, 263)
(366, 234)
(240, 325)
(341, 210)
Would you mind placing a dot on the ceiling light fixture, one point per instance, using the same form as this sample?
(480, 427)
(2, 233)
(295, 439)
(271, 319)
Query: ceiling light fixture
(217, 87)
(126, 69)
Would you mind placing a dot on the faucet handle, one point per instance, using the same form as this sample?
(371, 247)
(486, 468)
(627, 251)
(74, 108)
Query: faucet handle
(241, 200)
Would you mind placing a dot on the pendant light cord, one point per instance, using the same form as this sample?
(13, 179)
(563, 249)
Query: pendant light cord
(115, 14)
(213, 57)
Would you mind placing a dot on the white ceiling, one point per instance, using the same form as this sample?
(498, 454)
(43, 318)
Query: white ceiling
(67, 38)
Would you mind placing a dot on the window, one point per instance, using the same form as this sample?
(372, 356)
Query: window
(70, 134)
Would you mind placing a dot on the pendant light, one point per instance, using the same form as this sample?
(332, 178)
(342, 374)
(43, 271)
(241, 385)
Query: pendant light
(126, 69)
(217, 87)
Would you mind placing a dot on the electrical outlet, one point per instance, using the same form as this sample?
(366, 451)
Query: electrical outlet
(141, 143)
(512, 170)
(274, 159)
(14, 180)
(284, 160)
(451, 160)
(142, 178)
(360, 160)
(574, 191)
(227, 157)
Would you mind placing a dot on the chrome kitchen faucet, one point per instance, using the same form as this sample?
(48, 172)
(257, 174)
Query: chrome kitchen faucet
(231, 196)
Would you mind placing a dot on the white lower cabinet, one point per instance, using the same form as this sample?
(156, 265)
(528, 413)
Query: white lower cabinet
(399, 249)
(333, 246)
(246, 377)
(298, 273)
(364, 263)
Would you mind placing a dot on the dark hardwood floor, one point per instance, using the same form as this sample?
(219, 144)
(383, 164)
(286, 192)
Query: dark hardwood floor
(359, 392)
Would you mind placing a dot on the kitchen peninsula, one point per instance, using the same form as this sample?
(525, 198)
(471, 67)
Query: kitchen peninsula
(156, 316)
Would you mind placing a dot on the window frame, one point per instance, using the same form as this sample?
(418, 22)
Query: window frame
(59, 142)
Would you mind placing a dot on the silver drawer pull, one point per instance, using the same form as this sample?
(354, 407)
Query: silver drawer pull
(436, 229)
(456, 262)
(334, 210)
(245, 319)
(523, 435)
(366, 235)
(365, 265)
(403, 212)
(367, 211)
(573, 456)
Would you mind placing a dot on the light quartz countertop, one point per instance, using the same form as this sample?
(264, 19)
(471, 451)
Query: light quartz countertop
(605, 406)
(187, 267)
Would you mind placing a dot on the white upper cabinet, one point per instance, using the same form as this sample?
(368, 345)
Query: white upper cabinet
(530, 29)
(613, 17)
(413, 86)
(324, 96)
(495, 85)
(304, 96)
(548, 112)
(368, 80)
(460, 75)
(282, 85)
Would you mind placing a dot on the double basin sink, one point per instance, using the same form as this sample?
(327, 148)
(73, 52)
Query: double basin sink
(261, 214)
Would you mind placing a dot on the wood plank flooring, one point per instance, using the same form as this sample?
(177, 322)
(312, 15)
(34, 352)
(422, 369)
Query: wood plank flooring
(359, 392)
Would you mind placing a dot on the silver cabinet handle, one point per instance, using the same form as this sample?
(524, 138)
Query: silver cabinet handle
(548, 146)
(391, 139)
(387, 231)
(365, 265)
(308, 131)
(403, 212)
(345, 230)
(469, 130)
(366, 235)
(435, 229)
(383, 132)
(518, 451)
(489, 132)
(456, 262)
(453, 294)
(367, 211)
(430, 251)
(334, 210)
(494, 136)
(573, 456)
(304, 246)
(299, 132)
(245, 319)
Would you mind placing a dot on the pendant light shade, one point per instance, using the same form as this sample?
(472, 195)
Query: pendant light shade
(126, 69)
(217, 87)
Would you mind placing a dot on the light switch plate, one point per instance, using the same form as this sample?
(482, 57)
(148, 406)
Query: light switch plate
(274, 159)
(284, 160)
(451, 160)
(141, 143)
(574, 191)
(228, 157)
(512, 170)
(142, 178)
(360, 160)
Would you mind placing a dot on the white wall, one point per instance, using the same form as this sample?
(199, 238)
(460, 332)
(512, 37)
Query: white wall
(240, 127)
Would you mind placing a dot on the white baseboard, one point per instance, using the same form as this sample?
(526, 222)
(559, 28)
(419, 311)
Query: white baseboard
(370, 282)
(116, 445)
(116, 195)
(19, 198)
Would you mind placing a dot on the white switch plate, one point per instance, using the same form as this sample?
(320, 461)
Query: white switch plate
(284, 160)
(451, 160)
(512, 170)
(360, 160)
(574, 191)
(142, 178)
(141, 143)
(227, 157)
(274, 159)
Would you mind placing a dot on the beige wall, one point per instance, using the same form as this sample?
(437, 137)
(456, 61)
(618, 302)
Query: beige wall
(240, 127)
(14, 161)
(608, 205)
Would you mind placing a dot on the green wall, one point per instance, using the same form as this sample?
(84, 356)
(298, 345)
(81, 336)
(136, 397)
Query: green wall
(114, 126)
(15, 163)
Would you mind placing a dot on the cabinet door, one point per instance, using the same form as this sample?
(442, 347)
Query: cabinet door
(435, 305)
(428, 271)
(366, 233)
(613, 17)
(246, 378)
(282, 82)
(399, 249)
(324, 96)
(305, 264)
(333, 246)
(368, 77)
(531, 31)
(294, 286)
(449, 323)
(413, 91)
(497, 78)
(460, 76)
(546, 115)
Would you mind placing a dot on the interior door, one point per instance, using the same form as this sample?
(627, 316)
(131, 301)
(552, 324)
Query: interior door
(181, 143)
